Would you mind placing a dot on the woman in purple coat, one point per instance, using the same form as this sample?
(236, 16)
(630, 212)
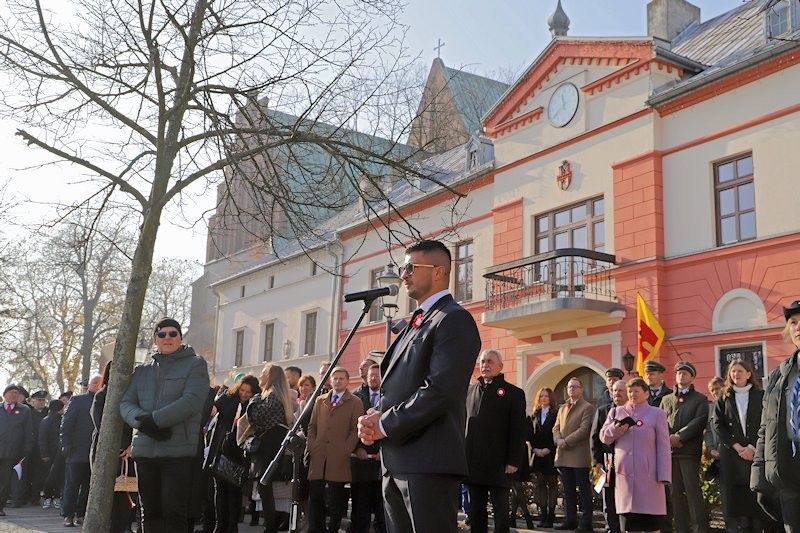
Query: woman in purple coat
(642, 459)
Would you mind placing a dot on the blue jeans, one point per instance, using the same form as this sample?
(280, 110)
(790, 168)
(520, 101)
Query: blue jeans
(76, 490)
(573, 478)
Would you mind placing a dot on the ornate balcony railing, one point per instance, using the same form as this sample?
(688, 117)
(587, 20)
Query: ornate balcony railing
(565, 273)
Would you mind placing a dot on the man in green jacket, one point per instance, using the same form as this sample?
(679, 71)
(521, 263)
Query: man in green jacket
(164, 403)
(687, 416)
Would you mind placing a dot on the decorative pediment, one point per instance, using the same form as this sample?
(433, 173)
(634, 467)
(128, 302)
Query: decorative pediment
(627, 57)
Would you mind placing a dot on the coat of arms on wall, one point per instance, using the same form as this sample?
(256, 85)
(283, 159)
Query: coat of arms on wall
(564, 176)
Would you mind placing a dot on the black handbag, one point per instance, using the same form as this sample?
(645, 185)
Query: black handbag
(228, 470)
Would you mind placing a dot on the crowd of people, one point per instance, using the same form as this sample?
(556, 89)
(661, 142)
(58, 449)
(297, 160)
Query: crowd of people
(191, 455)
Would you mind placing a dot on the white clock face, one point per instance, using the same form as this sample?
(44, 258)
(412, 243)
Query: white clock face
(563, 105)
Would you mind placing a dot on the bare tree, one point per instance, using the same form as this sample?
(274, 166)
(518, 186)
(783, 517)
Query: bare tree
(150, 98)
(67, 292)
(169, 293)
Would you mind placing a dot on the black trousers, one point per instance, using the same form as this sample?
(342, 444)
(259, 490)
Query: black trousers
(573, 478)
(421, 503)
(790, 508)
(6, 471)
(227, 502)
(688, 505)
(54, 482)
(479, 499)
(76, 490)
(367, 499)
(610, 509)
(163, 493)
(316, 506)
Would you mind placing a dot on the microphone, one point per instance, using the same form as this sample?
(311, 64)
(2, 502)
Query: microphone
(371, 294)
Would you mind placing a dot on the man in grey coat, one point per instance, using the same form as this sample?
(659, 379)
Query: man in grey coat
(163, 404)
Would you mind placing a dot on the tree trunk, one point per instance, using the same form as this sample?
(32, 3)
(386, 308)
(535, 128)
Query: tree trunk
(98, 510)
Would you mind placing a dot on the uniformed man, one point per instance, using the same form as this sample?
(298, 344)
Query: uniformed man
(607, 398)
(495, 442)
(687, 416)
(654, 376)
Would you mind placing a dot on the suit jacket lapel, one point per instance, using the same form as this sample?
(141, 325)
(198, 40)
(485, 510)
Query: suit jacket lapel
(401, 343)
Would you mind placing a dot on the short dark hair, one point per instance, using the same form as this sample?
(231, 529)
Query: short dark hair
(294, 369)
(374, 365)
(430, 246)
(639, 382)
(245, 380)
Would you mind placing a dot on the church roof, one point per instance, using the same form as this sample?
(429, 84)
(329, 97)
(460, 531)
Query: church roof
(447, 169)
(474, 95)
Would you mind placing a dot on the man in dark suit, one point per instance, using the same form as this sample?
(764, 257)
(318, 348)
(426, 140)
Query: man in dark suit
(495, 442)
(16, 438)
(603, 454)
(366, 465)
(425, 376)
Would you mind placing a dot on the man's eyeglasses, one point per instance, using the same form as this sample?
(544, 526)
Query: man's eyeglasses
(163, 334)
(408, 268)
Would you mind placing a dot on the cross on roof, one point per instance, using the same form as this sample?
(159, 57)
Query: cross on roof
(438, 48)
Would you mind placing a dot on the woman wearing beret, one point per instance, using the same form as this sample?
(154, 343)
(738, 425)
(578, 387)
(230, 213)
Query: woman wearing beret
(642, 459)
(737, 417)
(776, 466)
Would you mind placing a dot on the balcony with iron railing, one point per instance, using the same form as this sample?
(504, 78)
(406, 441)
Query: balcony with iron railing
(562, 290)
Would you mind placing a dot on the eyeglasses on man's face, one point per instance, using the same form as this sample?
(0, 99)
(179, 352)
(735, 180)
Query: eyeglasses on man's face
(408, 268)
(164, 334)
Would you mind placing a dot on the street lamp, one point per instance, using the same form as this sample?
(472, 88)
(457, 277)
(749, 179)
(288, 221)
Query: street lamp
(389, 305)
(627, 361)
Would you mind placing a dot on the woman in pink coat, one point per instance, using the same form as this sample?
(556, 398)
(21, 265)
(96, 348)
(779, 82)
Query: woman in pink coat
(642, 459)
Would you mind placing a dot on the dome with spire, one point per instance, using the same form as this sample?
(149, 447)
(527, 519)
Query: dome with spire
(558, 21)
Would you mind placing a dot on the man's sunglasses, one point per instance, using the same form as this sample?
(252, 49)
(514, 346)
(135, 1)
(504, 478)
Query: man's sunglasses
(163, 334)
(408, 268)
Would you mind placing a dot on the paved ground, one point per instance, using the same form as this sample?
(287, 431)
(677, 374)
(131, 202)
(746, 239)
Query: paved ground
(37, 520)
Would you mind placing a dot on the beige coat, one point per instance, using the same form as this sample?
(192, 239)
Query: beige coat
(574, 425)
(332, 437)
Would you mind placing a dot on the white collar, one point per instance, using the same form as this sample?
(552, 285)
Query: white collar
(432, 299)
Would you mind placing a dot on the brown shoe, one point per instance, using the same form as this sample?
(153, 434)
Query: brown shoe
(68, 522)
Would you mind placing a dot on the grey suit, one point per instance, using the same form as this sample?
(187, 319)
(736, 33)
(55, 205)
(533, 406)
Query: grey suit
(425, 377)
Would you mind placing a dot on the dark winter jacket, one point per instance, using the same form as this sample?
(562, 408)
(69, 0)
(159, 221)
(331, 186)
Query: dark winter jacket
(774, 448)
(542, 437)
(735, 470)
(173, 389)
(97, 418)
(687, 417)
(49, 440)
(77, 428)
(495, 431)
(16, 433)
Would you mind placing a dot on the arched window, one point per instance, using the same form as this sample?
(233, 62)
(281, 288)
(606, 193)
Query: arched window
(593, 385)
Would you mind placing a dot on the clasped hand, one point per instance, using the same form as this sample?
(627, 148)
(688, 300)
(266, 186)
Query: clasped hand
(369, 429)
(148, 426)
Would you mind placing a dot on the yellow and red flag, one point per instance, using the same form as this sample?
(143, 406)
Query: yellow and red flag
(651, 334)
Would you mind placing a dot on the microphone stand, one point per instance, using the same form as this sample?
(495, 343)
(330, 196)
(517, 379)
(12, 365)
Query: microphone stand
(294, 443)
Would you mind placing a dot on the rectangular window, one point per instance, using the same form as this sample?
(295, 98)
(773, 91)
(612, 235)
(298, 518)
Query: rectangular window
(269, 341)
(310, 341)
(752, 354)
(779, 18)
(735, 199)
(239, 350)
(375, 312)
(577, 226)
(464, 271)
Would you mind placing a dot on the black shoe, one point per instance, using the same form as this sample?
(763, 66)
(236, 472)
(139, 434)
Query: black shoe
(583, 529)
(566, 527)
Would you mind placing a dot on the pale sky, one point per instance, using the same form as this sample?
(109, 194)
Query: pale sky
(482, 36)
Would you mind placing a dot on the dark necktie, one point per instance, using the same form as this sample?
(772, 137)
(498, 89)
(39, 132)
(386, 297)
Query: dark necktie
(8, 408)
(335, 400)
(373, 399)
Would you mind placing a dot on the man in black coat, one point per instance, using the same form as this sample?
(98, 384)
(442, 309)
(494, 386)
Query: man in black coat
(50, 452)
(366, 465)
(16, 438)
(76, 443)
(423, 412)
(37, 470)
(603, 454)
(495, 440)
(687, 416)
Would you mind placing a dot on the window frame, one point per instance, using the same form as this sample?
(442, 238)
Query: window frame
(734, 183)
(271, 338)
(238, 348)
(306, 336)
(458, 262)
(375, 311)
(588, 223)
